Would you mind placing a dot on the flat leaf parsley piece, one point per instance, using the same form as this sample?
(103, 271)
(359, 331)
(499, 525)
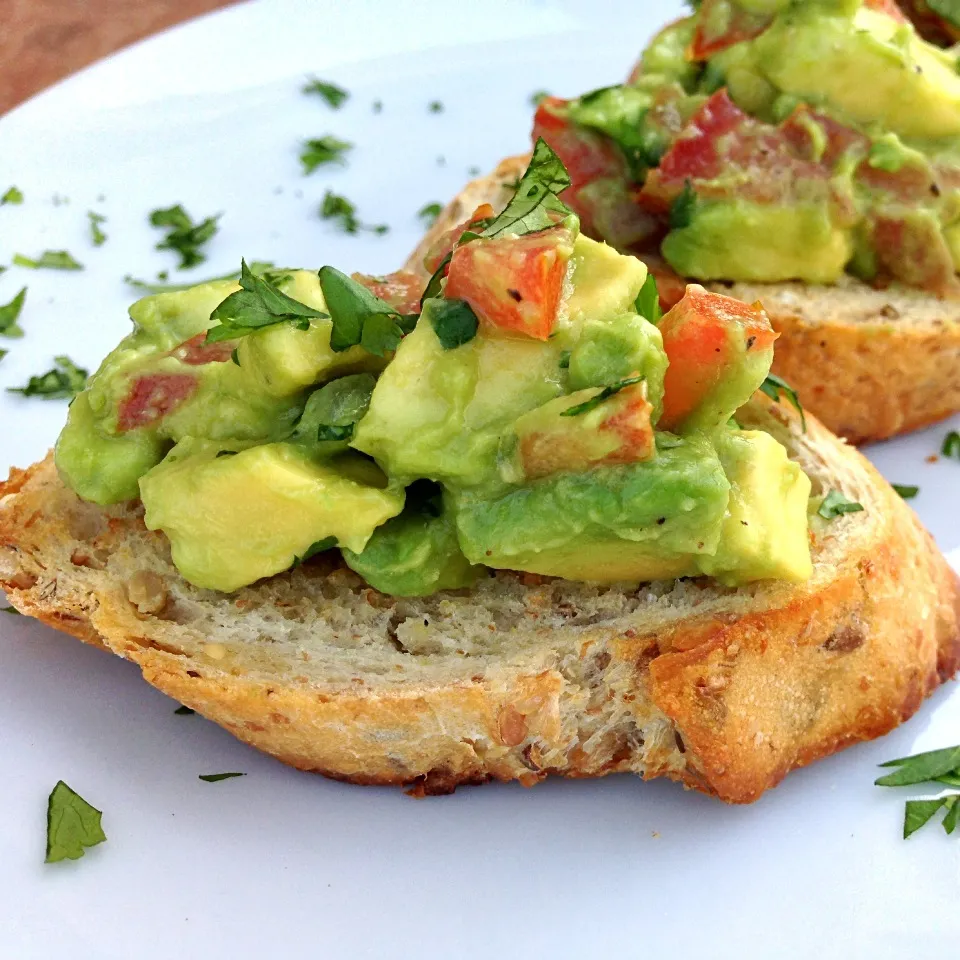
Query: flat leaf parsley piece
(258, 304)
(429, 212)
(63, 382)
(334, 95)
(48, 260)
(604, 394)
(12, 195)
(773, 386)
(96, 234)
(336, 207)
(361, 317)
(323, 150)
(835, 503)
(10, 313)
(907, 491)
(183, 235)
(72, 825)
(648, 300)
(454, 322)
(951, 445)
(934, 766)
(214, 777)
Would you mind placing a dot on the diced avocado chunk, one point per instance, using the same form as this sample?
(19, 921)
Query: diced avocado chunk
(99, 466)
(765, 531)
(609, 351)
(234, 519)
(870, 67)
(168, 319)
(605, 282)
(416, 553)
(439, 414)
(642, 521)
(738, 240)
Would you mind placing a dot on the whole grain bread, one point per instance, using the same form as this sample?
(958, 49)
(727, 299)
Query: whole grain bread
(723, 690)
(869, 363)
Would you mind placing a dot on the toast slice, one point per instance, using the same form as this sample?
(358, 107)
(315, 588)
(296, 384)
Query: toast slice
(869, 363)
(725, 690)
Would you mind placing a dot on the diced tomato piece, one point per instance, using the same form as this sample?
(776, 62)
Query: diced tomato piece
(401, 289)
(911, 248)
(721, 24)
(575, 444)
(704, 335)
(448, 240)
(889, 7)
(152, 397)
(196, 351)
(513, 284)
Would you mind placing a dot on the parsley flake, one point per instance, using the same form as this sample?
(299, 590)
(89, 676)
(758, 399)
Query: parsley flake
(10, 313)
(340, 209)
(259, 303)
(183, 235)
(436, 106)
(683, 208)
(48, 260)
(334, 95)
(12, 195)
(322, 150)
(454, 322)
(72, 825)
(377, 106)
(11, 610)
(96, 234)
(214, 777)
(934, 766)
(429, 212)
(773, 386)
(906, 491)
(951, 445)
(604, 394)
(835, 503)
(63, 382)
(648, 300)
(361, 317)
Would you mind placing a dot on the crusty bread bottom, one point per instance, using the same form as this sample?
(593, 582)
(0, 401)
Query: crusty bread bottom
(724, 690)
(869, 363)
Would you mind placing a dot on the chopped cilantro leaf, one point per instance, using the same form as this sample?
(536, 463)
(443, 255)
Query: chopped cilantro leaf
(921, 767)
(96, 234)
(259, 267)
(323, 150)
(429, 212)
(63, 382)
(72, 825)
(951, 445)
(906, 491)
(773, 386)
(11, 610)
(3, 353)
(454, 322)
(604, 394)
(436, 106)
(683, 208)
(183, 235)
(184, 712)
(334, 95)
(538, 96)
(340, 209)
(10, 313)
(648, 300)
(332, 410)
(48, 260)
(919, 813)
(359, 316)
(12, 195)
(259, 303)
(835, 503)
(214, 777)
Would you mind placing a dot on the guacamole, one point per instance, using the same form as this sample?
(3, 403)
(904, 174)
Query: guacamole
(770, 140)
(531, 411)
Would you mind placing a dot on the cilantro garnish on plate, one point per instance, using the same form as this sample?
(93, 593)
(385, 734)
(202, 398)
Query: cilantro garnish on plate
(935, 766)
(184, 235)
(12, 195)
(96, 234)
(335, 96)
(10, 313)
(48, 260)
(323, 150)
(73, 825)
(63, 382)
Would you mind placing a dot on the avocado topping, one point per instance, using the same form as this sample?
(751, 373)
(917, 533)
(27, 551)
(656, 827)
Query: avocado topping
(537, 414)
(775, 140)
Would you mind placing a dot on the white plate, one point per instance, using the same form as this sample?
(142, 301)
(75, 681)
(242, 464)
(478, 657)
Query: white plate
(284, 864)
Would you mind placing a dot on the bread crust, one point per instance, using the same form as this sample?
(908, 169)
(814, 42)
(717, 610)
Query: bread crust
(869, 363)
(727, 698)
